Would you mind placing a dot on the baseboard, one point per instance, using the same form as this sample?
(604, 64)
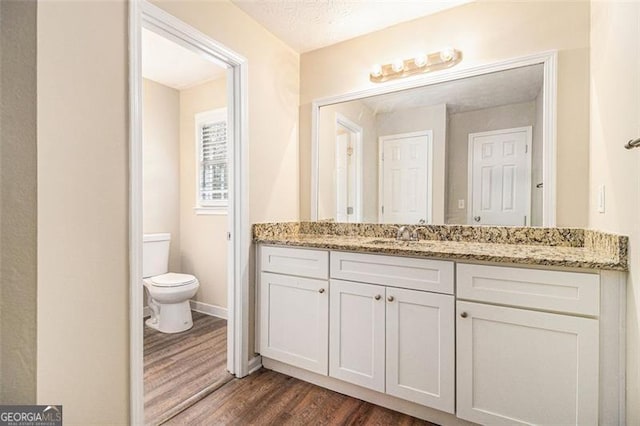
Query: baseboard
(146, 312)
(207, 309)
(377, 398)
(255, 364)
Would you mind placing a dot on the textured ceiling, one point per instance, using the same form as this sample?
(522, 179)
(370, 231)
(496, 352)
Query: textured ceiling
(468, 94)
(311, 24)
(170, 64)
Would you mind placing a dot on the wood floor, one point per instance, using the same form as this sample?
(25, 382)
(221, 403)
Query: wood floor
(186, 383)
(182, 368)
(270, 398)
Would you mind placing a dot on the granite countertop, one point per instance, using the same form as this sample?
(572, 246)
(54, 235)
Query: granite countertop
(560, 247)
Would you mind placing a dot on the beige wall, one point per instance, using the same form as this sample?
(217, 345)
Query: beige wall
(360, 114)
(483, 120)
(274, 75)
(424, 118)
(485, 32)
(615, 118)
(198, 242)
(274, 90)
(537, 163)
(161, 164)
(83, 337)
(83, 267)
(203, 240)
(18, 202)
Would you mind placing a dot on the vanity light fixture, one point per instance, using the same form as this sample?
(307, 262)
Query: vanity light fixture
(446, 58)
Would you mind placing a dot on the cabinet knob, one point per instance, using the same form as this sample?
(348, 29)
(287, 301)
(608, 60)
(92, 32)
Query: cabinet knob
(390, 298)
(377, 297)
(321, 290)
(463, 314)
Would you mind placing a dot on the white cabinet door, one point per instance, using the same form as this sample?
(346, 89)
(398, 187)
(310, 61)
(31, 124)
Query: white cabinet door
(356, 334)
(420, 348)
(294, 319)
(524, 367)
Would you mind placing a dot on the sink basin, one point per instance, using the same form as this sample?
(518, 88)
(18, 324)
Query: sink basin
(392, 241)
(401, 243)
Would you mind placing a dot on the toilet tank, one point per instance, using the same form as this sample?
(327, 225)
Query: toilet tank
(155, 254)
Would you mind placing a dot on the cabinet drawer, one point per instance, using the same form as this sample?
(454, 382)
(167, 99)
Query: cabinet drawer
(417, 274)
(570, 292)
(295, 261)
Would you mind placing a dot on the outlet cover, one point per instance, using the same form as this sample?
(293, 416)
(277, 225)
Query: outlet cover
(461, 204)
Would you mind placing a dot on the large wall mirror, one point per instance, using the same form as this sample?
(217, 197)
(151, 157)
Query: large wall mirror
(474, 147)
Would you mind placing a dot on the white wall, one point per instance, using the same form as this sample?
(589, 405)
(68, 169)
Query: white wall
(615, 118)
(203, 238)
(417, 119)
(161, 164)
(18, 202)
(485, 32)
(483, 120)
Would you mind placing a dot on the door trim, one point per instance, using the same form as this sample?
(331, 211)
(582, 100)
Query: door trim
(343, 121)
(549, 59)
(381, 140)
(472, 136)
(144, 14)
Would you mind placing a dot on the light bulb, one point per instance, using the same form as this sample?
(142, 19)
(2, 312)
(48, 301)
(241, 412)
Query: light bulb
(397, 65)
(420, 60)
(447, 54)
(376, 70)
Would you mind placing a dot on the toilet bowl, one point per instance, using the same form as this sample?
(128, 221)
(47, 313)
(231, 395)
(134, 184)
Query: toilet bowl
(169, 296)
(168, 292)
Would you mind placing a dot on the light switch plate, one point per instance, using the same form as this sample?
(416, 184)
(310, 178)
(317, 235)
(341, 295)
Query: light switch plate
(461, 204)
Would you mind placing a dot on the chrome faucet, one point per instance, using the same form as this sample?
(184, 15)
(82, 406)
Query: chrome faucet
(414, 234)
(403, 233)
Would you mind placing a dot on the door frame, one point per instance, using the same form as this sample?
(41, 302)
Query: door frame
(472, 136)
(343, 121)
(144, 14)
(381, 140)
(549, 60)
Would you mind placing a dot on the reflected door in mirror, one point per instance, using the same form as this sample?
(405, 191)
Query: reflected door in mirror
(348, 182)
(405, 178)
(500, 177)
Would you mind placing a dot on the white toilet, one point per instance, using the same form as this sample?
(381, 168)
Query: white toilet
(168, 292)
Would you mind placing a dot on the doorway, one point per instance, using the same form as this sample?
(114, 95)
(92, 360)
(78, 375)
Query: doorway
(500, 177)
(348, 171)
(218, 190)
(405, 175)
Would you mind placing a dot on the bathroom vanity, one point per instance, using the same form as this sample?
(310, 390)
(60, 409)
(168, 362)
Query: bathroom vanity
(479, 324)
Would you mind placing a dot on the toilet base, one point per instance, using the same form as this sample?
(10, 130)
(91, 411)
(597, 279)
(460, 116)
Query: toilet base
(171, 317)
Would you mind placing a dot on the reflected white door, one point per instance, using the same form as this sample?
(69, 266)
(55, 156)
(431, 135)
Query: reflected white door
(500, 177)
(405, 178)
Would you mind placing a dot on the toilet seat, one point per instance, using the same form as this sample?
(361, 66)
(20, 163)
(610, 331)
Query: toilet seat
(172, 280)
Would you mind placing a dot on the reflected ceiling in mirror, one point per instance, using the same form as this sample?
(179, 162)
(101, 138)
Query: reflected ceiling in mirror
(466, 151)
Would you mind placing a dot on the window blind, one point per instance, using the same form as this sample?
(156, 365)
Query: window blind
(214, 184)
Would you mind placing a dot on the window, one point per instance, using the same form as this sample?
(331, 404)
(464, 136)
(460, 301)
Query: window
(212, 182)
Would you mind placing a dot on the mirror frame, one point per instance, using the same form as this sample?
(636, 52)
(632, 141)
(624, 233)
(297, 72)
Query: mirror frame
(549, 60)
